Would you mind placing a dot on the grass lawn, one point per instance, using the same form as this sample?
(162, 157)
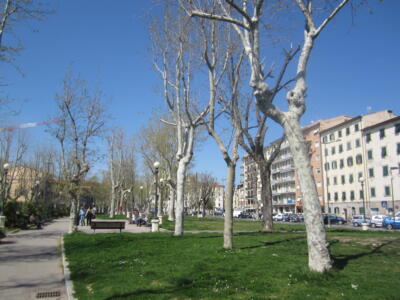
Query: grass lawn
(217, 224)
(107, 217)
(261, 266)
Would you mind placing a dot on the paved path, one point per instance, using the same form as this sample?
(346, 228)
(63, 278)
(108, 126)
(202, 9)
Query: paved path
(30, 263)
(30, 260)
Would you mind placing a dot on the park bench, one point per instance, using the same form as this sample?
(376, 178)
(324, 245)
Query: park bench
(107, 224)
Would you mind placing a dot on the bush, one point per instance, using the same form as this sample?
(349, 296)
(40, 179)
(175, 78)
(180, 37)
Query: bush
(18, 213)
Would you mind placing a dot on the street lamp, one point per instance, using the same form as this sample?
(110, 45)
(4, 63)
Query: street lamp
(3, 183)
(156, 166)
(361, 180)
(162, 181)
(6, 167)
(391, 184)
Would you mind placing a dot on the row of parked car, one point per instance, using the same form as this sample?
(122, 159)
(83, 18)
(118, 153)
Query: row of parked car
(378, 221)
(357, 220)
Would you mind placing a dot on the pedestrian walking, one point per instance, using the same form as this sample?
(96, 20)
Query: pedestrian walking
(82, 214)
(89, 217)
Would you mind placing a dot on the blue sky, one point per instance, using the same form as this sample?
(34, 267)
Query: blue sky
(355, 65)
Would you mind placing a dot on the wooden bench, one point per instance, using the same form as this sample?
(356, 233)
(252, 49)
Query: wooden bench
(107, 224)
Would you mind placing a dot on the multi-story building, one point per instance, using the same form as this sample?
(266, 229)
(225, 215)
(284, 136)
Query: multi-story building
(382, 166)
(219, 196)
(343, 163)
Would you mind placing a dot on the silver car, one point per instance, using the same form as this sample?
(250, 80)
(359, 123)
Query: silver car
(377, 220)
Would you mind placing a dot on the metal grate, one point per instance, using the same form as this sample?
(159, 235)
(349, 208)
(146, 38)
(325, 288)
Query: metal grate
(48, 294)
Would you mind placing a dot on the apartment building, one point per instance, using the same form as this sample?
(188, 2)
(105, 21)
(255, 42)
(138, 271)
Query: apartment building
(219, 196)
(344, 168)
(382, 166)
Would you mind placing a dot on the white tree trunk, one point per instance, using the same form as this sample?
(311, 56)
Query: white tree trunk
(72, 217)
(318, 253)
(171, 205)
(180, 192)
(228, 220)
(112, 204)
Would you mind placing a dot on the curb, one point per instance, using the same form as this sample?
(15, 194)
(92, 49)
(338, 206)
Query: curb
(67, 273)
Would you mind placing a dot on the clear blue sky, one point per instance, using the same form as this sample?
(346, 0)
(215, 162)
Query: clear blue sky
(355, 65)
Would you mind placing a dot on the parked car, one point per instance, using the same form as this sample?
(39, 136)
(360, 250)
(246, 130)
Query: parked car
(237, 212)
(390, 223)
(333, 219)
(357, 220)
(218, 213)
(294, 218)
(377, 220)
(277, 217)
(245, 215)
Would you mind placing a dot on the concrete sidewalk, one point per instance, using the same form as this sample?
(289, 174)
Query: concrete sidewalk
(30, 263)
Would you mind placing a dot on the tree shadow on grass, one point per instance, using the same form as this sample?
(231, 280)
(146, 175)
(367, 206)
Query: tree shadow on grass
(143, 292)
(263, 244)
(341, 261)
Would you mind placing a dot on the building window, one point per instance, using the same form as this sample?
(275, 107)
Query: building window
(324, 139)
(359, 159)
(329, 196)
(360, 175)
(397, 128)
(371, 172)
(340, 133)
(331, 137)
(382, 133)
(333, 150)
(326, 152)
(383, 152)
(369, 154)
(361, 194)
(348, 131)
(351, 178)
(341, 163)
(334, 180)
(349, 161)
(387, 190)
(356, 127)
(373, 193)
(318, 171)
(336, 196)
(340, 148)
(343, 179)
(368, 137)
(398, 148)
(348, 146)
(385, 171)
(334, 165)
(351, 195)
(328, 182)
(343, 196)
(326, 166)
(358, 144)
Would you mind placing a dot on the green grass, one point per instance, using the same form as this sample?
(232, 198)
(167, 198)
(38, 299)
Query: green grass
(261, 266)
(107, 217)
(217, 224)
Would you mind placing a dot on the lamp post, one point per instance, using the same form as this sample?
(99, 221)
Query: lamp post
(391, 187)
(3, 187)
(162, 182)
(156, 167)
(141, 196)
(6, 167)
(361, 180)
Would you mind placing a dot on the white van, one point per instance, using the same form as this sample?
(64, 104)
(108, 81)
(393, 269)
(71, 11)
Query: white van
(237, 212)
